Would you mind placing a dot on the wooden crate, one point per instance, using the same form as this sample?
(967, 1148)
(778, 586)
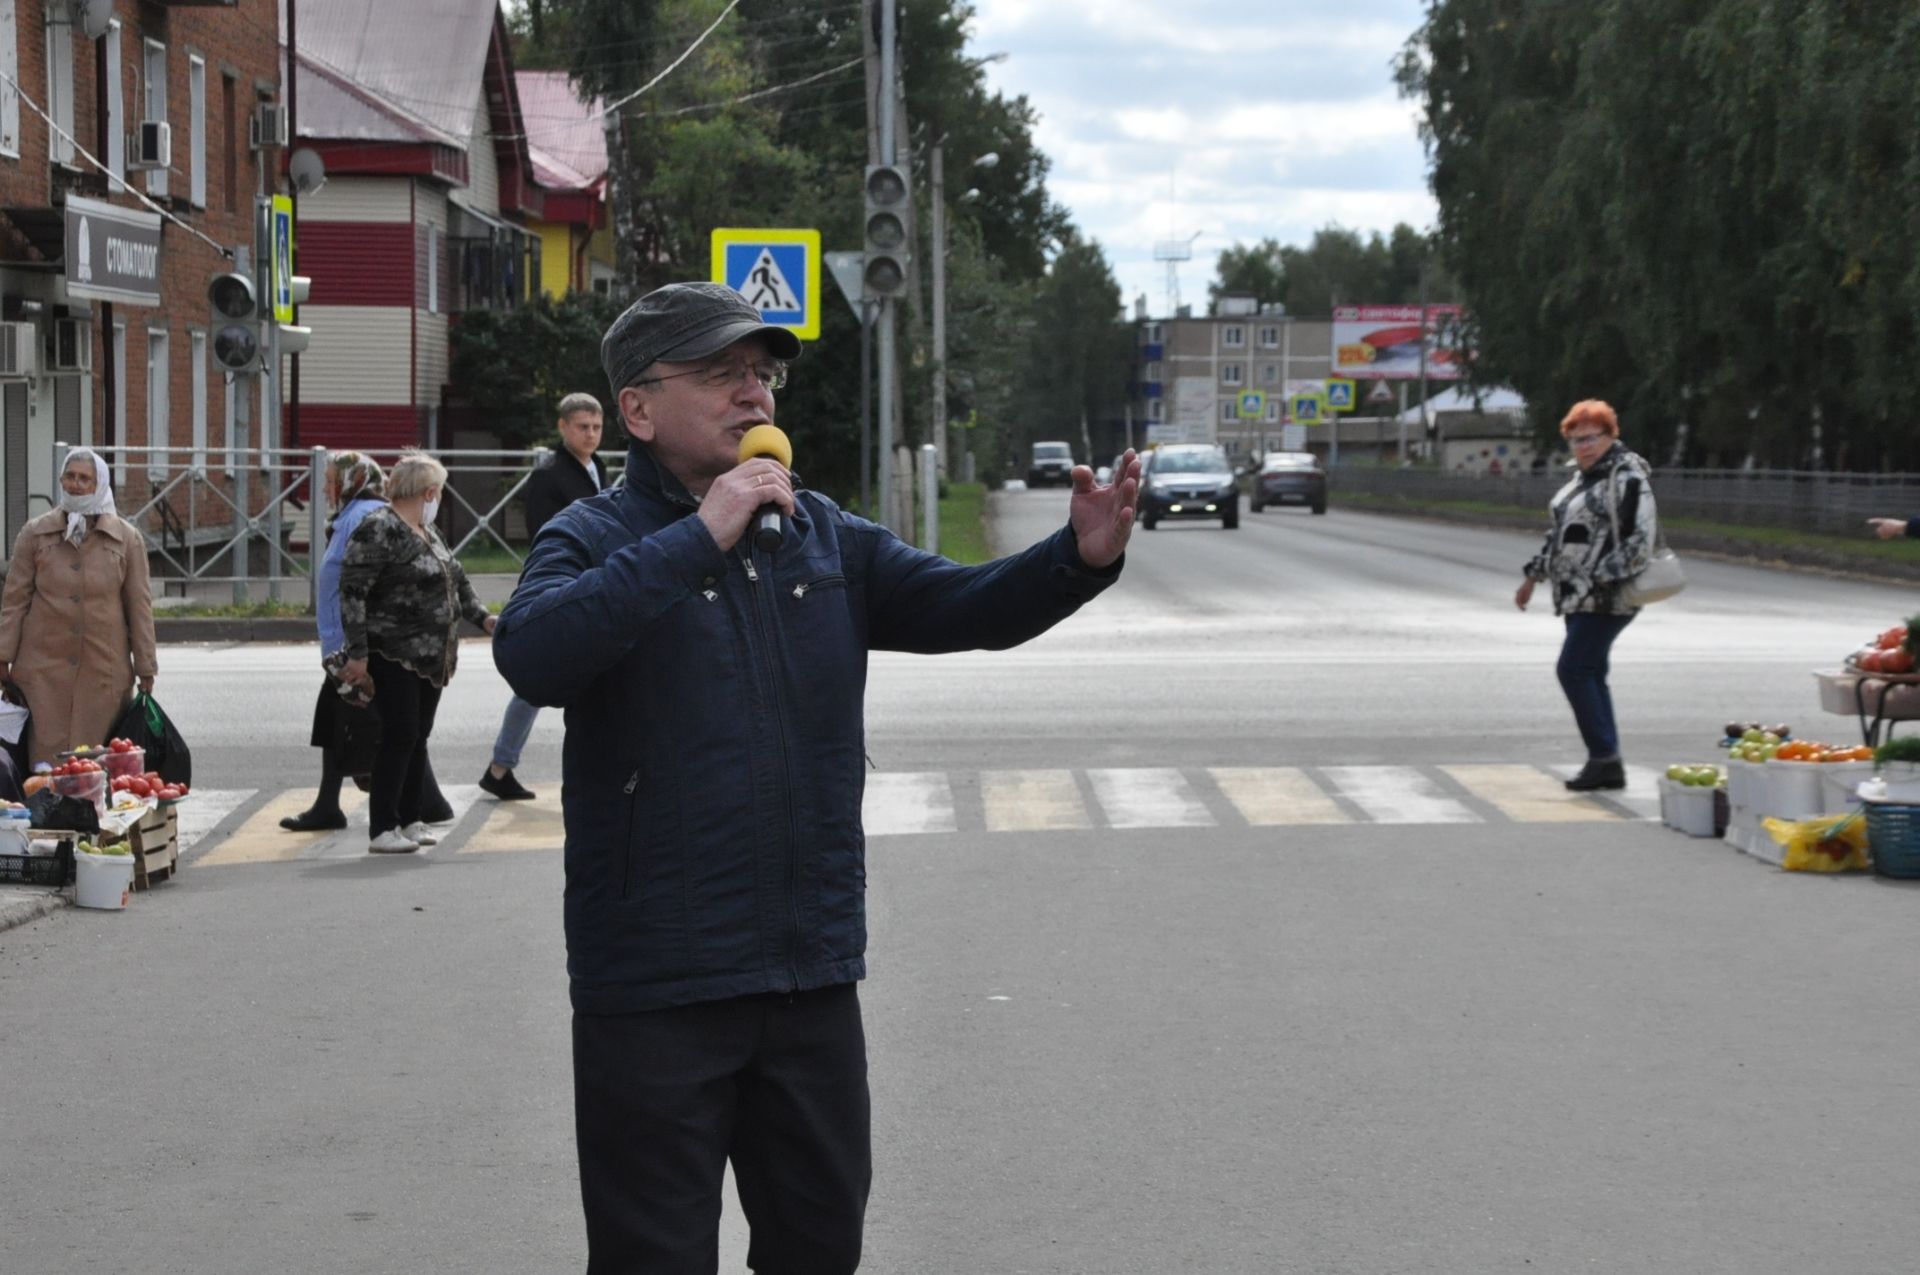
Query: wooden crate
(156, 847)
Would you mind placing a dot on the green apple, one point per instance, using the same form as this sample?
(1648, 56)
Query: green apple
(1751, 735)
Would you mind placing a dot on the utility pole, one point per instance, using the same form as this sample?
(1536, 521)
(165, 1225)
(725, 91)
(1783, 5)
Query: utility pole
(886, 152)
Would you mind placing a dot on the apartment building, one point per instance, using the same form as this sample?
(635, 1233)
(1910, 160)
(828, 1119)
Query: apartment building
(1193, 372)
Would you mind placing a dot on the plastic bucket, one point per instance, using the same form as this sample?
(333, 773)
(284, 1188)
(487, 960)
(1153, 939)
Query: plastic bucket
(1693, 810)
(102, 880)
(1902, 779)
(1838, 779)
(1793, 790)
(118, 765)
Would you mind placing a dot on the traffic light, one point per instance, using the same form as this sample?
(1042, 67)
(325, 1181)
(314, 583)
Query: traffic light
(293, 338)
(889, 230)
(236, 322)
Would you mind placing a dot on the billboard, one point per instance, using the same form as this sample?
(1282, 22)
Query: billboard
(1384, 342)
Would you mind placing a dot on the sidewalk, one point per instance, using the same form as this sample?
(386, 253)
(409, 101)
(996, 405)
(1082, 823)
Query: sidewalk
(22, 903)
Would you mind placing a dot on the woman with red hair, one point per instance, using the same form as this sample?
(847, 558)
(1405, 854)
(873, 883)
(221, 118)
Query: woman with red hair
(1603, 535)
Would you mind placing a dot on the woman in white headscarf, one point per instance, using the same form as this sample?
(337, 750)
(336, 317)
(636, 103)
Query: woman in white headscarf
(76, 618)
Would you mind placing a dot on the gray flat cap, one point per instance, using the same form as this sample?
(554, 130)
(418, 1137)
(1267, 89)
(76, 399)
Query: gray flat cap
(682, 322)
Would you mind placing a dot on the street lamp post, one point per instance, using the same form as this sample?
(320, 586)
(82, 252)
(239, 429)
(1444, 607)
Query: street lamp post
(937, 169)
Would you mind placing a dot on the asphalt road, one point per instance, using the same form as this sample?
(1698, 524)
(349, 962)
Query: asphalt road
(1170, 972)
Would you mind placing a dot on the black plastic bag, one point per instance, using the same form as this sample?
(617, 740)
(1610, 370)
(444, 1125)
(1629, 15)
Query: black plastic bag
(146, 724)
(15, 753)
(48, 809)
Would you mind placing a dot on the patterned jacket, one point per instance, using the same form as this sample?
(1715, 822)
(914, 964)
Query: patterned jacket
(1580, 557)
(403, 596)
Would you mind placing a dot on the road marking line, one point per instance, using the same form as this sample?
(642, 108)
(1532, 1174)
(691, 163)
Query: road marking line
(1032, 801)
(202, 812)
(1527, 794)
(261, 839)
(518, 825)
(1641, 796)
(1397, 794)
(902, 803)
(1272, 796)
(352, 844)
(1149, 798)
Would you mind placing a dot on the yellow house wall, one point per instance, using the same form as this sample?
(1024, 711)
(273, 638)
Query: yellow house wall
(556, 257)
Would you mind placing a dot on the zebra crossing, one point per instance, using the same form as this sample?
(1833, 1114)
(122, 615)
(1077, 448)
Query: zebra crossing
(223, 827)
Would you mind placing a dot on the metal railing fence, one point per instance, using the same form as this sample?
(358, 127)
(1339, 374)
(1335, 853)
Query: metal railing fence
(1808, 500)
(248, 518)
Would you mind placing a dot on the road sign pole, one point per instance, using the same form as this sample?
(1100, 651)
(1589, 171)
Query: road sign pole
(866, 409)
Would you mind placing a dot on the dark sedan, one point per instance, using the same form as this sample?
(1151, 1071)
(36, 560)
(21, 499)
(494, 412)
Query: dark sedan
(1290, 478)
(1190, 480)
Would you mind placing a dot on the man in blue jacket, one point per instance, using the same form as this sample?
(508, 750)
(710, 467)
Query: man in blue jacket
(713, 768)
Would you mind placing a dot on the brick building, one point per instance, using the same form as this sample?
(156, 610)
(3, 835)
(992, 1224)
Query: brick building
(111, 347)
(424, 213)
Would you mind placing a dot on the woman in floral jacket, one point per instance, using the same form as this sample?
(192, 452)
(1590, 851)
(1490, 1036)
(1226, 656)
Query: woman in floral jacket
(402, 597)
(1603, 536)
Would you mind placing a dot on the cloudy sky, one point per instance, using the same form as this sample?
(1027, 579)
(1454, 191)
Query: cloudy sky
(1233, 119)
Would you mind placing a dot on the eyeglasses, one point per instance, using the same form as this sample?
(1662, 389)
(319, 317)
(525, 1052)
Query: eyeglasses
(1586, 440)
(772, 374)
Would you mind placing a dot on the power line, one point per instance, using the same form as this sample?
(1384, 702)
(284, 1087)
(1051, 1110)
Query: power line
(748, 97)
(115, 181)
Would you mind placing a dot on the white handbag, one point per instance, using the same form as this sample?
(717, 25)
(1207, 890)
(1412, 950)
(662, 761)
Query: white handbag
(1660, 579)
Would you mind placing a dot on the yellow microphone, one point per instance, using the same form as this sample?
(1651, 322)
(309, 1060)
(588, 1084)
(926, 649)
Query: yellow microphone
(769, 441)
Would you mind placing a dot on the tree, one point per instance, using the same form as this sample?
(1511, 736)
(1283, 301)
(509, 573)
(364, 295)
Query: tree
(1338, 266)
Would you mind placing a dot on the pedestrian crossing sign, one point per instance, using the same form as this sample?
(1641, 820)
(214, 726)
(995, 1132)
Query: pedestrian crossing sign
(1309, 407)
(1253, 404)
(777, 271)
(1339, 394)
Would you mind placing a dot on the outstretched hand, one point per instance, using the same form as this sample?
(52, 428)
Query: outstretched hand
(1102, 515)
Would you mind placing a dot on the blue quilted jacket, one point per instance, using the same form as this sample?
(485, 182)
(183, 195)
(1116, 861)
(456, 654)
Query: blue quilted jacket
(715, 752)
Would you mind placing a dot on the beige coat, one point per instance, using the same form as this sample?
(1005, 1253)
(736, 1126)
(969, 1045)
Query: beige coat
(77, 626)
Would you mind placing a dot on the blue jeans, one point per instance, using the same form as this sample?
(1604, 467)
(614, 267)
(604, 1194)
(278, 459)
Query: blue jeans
(1583, 676)
(515, 725)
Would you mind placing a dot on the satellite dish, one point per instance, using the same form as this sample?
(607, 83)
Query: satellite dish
(307, 169)
(94, 17)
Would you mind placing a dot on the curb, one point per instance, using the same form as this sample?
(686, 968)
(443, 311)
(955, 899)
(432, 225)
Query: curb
(291, 628)
(1723, 548)
(21, 904)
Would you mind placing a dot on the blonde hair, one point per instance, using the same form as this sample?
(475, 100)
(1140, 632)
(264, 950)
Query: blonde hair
(413, 474)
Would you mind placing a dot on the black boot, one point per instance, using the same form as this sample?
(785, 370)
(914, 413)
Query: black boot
(315, 820)
(1598, 775)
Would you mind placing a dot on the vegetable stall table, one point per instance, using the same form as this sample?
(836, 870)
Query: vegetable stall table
(1875, 700)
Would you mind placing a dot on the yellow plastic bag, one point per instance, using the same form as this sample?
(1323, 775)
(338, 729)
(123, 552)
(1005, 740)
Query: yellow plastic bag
(1825, 844)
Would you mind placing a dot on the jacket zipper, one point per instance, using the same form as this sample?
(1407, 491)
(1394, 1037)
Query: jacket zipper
(786, 768)
(626, 874)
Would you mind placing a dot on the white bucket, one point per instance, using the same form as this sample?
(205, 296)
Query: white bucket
(102, 880)
(1693, 810)
(1793, 790)
(1838, 779)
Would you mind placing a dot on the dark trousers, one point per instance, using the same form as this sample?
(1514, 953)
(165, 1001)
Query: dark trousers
(406, 703)
(1583, 676)
(662, 1100)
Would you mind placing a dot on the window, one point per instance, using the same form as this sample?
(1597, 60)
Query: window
(1269, 338)
(1152, 373)
(197, 124)
(10, 67)
(1230, 374)
(116, 114)
(1156, 409)
(159, 381)
(228, 109)
(155, 106)
(198, 342)
(60, 88)
(1273, 411)
(1229, 410)
(1233, 336)
(1153, 334)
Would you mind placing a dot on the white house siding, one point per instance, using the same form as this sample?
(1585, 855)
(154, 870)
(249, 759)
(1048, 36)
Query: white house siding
(358, 199)
(483, 171)
(432, 371)
(365, 356)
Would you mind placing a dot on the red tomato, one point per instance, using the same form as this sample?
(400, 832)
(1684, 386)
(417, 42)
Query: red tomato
(1869, 661)
(1896, 660)
(1892, 637)
(139, 787)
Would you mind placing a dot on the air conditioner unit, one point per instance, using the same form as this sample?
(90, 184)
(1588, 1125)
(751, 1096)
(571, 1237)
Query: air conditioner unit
(150, 146)
(269, 126)
(70, 346)
(19, 347)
